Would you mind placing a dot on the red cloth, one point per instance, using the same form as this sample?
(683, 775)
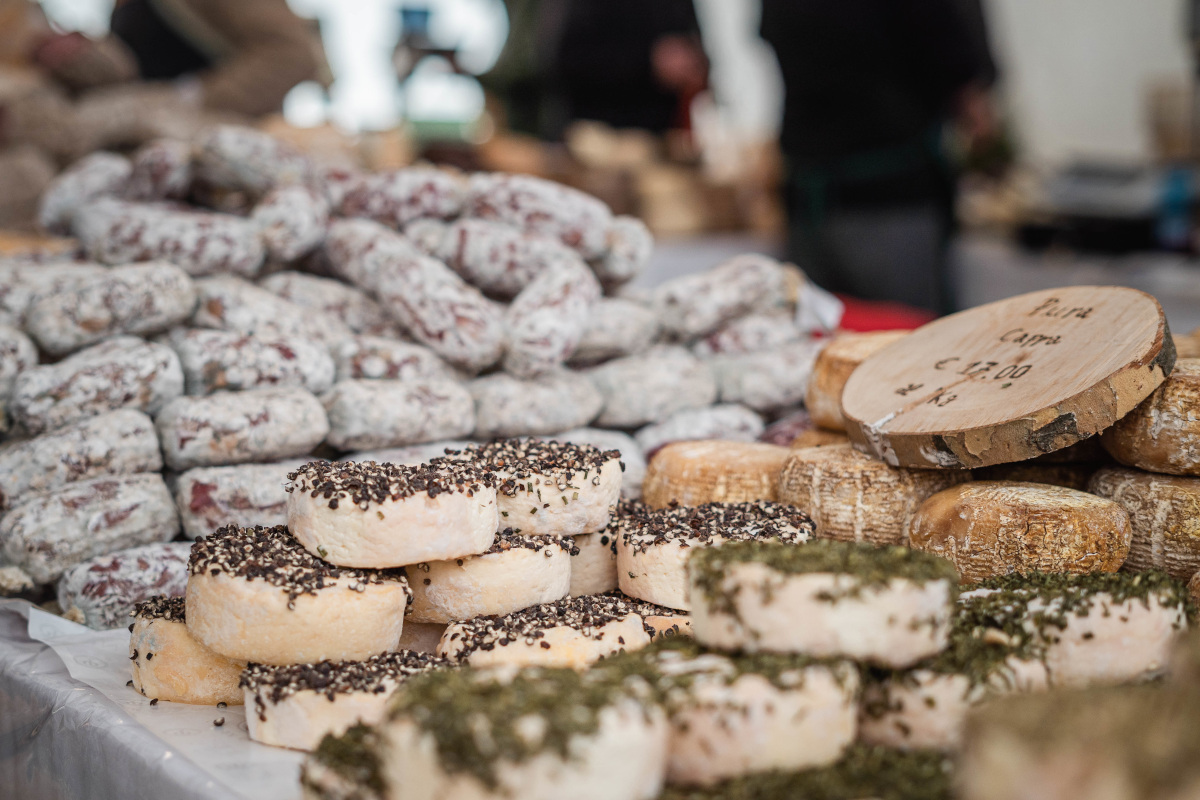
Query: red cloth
(872, 315)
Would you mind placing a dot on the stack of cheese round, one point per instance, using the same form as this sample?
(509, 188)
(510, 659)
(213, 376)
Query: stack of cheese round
(653, 548)
(856, 498)
(550, 488)
(713, 471)
(731, 714)
(169, 664)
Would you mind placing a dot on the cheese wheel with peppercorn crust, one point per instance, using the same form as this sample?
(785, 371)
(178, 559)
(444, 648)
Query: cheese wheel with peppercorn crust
(389, 515)
(992, 528)
(254, 594)
(518, 571)
(297, 705)
(169, 664)
(573, 632)
(548, 488)
(653, 547)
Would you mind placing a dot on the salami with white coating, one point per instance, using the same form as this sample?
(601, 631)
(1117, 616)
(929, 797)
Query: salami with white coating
(246, 495)
(506, 405)
(121, 442)
(241, 158)
(630, 246)
(101, 174)
(201, 242)
(398, 197)
(696, 305)
(548, 318)
(616, 328)
(293, 220)
(240, 427)
(231, 304)
(349, 305)
(23, 284)
(375, 414)
(500, 259)
(377, 358)
(136, 299)
(215, 361)
(122, 372)
(102, 592)
(50, 533)
(162, 170)
(576, 219)
(652, 386)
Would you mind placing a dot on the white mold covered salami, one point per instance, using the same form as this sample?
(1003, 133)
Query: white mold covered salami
(412, 455)
(23, 284)
(162, 170)
(652, 386)
(548, 318)
(102, 592)
(97, 175)
(499, 259)
(769, 380)
(201, 242)
(118, 443)
(240, 427)
(215, 361)
(293, 220)
(427, 235)
(377, 358)
(122, 372)
(429, 300)
(240, 158)
(17, 354)
(696, 305)
(209, 498)
(351, 306)
(385, 413)
(51, 532)
(616, 328)
(398, 197)
(630, 245)
(137, 298)
(231, 304)
(509, 406)
(752, 333)
(729, 422)
(578, 220)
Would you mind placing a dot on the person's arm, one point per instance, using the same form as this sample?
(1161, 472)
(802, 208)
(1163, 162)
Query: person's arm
(269, 50)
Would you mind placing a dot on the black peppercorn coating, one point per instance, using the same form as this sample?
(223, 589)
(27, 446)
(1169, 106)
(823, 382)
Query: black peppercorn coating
(585, 614)
(367, 482)
(761, 520)
(376, 675)
(517, 460)
(170, 609)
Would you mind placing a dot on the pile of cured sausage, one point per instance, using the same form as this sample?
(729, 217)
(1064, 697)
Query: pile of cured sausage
(236, 309)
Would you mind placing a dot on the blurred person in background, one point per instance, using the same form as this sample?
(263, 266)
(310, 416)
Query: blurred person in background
(869, 87)
(627, 63)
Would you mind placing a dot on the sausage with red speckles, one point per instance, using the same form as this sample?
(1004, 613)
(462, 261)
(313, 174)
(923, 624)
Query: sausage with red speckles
(138, 298)
(349, 305)
(104, 590)
(630, 245)
(23, 284)
(121, 442)
(376, 358)
(215, 361)
(122, 372)
(293, 220)
(240, 427)
(400, 196)
(49, 533)
(97, 175)
(247, 495)
(162, 170)
(548, 319)
(509, 406)
(201, 242)
(376, 414)
(231, 304)
(240, 158)
(499, 259)
(537, 205)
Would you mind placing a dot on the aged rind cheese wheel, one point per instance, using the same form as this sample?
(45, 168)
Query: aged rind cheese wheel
(1165, 513)
(832, 369)
(713, 471)
(818, 437)
(856, 498)
(1010, 380)
(1163, 433)
(989, 528)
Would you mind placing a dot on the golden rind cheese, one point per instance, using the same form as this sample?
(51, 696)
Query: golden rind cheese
(989, 528)
(713, 471)
(855, 498)
(1165, 513)
(832, 369)
(1163, 433)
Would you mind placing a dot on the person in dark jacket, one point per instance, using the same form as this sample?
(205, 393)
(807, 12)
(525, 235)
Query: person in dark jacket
(869, 87)
(630, 63)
